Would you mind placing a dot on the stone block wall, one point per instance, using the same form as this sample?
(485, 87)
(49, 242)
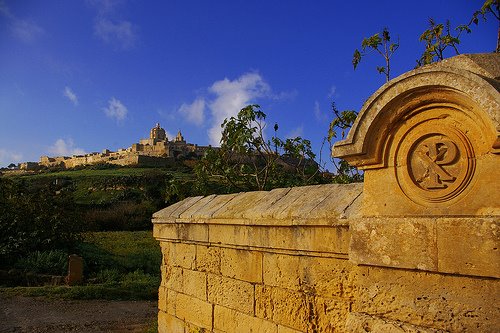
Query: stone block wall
(235, 290)
(271, 269)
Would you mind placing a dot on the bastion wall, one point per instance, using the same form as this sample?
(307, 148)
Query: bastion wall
(412, 249)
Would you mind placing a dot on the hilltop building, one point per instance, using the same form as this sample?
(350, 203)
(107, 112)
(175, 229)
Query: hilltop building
(157, 150)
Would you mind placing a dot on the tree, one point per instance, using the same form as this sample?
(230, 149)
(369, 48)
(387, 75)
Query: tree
(439, 37)
(489, 6)
(342, 121)
(381, 43)
(247, 161)
(35, 218)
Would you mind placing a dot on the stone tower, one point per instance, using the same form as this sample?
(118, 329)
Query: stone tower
(179, 138)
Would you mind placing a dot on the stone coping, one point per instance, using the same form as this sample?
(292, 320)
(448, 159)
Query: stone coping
(328, 204)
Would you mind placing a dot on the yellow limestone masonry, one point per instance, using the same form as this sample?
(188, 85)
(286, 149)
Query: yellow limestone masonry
(412, 249)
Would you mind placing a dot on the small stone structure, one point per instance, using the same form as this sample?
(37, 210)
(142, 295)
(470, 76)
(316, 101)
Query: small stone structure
(75, 270)
(413, 249)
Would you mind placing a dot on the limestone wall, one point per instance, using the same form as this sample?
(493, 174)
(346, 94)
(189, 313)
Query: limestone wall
(287, 261)
(415, 248)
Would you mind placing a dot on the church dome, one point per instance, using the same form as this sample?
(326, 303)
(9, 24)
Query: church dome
(158, 133)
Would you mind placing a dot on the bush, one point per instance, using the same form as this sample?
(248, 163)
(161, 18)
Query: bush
(54, 262)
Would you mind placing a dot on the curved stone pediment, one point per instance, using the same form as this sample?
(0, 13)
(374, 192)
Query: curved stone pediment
(429, 140)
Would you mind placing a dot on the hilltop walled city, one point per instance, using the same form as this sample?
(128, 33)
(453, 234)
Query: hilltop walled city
(157, 150)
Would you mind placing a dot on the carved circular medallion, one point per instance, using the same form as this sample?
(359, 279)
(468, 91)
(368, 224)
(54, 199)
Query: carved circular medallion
(434, 162)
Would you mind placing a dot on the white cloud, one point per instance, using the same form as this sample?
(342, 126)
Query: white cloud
(7, 157)
(231, 97)
(116, 110)
(25, 30)
(320, 116)
(122, 34)
(194, 112)
(65, 148)
(296, 132)
(70, 95)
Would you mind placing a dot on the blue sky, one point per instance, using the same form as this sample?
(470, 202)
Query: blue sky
(81, 76)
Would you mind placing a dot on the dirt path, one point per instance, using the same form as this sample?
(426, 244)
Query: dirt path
(40, 315)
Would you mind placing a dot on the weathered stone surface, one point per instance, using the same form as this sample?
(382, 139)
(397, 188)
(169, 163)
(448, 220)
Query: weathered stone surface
(194, 284)
(239, 204)
(318, 239)
(358, 322)
(469, 246)
(207, 210)
(242, 265)
(282, 306)
(267, 202)
(329, 277)
(302, 311)
(171, 299)
(162, 299)
(284, 329)
(234, 294)
(327, 204)
(181, 231)
(188, 214)
(208, 259)
(443, 302)
(169, 324)
(228, 320)
(187, 281)
(403, 243)
(176, 209)
(182, 255)
(193, 310)
(174, 280)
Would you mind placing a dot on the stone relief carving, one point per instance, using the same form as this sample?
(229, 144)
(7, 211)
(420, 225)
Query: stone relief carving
(435, 159)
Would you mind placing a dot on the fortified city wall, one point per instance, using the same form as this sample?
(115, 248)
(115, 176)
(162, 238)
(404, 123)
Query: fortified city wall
(157, 150)
(412, 249)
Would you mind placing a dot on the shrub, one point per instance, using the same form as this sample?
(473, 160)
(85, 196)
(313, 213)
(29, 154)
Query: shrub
(53, 262)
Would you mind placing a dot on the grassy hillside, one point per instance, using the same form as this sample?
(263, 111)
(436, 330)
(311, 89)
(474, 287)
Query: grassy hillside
(115, 198)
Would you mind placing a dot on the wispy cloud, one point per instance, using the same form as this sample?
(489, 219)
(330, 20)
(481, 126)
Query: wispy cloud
(333, 92)
(194, 112)
(121, 34)
(116, 110)
(70, 95)
(65, 148)
(24, 29)
(318, 114)
(7, 157)
(231, 97)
